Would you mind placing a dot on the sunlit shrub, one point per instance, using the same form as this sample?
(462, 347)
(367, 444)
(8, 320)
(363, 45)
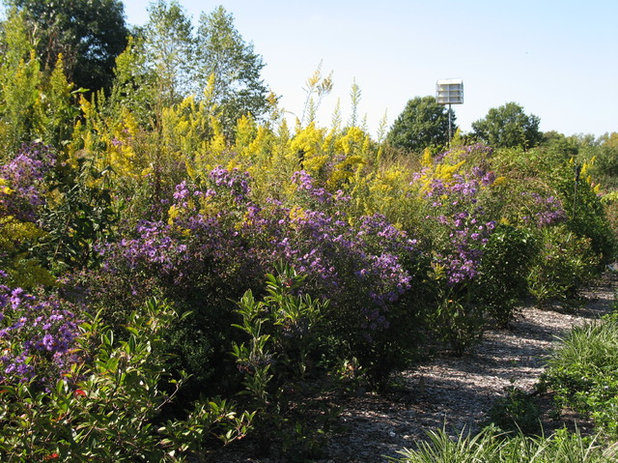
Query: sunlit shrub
(107, 406)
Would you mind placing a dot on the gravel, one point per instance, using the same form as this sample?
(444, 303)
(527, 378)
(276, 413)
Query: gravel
(456, 392)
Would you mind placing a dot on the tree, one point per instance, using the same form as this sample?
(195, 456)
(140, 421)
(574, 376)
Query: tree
(169, 51)
(230, 66)
(88, 33)
(423, 123)
(508, 126)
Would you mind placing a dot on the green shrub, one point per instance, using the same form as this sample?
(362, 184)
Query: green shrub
(565, 262)
(516, 412)
(503, 272)
(279, 363)
(108, 408)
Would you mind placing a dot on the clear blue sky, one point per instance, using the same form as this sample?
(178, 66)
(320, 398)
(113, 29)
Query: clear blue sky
(556, 58)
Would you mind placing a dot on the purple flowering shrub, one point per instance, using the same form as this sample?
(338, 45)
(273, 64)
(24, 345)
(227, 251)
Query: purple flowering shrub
(217, 243)
(459, 188)
(22, 181)
(23, 190)
(37, 338)
(107, 408)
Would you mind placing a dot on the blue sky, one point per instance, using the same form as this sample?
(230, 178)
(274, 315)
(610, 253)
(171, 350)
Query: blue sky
(557, 59)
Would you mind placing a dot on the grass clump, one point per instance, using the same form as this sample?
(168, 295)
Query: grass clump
(584, 372)
(492, 446)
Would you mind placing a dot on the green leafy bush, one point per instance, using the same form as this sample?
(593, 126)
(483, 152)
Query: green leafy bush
(503, 272)
(108, 407)
(279, 360)
(565, 262)
(516, 412)
(584, 372)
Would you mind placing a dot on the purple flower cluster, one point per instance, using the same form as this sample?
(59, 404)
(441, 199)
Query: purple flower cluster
(194, 245)
(464, 226)
(356, 265)
(318, 194)
(234, 181)
(21, 193)
(465, 240)
(543, 210)
(154, 246)
(37, 337)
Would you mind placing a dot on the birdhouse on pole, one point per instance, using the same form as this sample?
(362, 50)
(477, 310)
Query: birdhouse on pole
(449, 92)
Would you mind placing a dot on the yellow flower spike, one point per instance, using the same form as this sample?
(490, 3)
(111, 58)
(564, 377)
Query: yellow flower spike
(499, 181)
(296, 212)
(427, 159)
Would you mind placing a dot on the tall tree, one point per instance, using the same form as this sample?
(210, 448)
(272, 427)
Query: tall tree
(422, 124)
(508, 126)
(88, 33)
(237, 87)
(169, 51)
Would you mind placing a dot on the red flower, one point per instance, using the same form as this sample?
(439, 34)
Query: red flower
(52, 456)
(80, 392)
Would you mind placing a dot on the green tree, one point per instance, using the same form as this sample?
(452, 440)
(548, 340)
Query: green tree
(168, 47)
(88, 33)
(237, 88)
(508, 126)
(423, 123)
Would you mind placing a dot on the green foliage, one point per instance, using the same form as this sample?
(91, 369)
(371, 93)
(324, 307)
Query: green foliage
(78, 215)
(516, 412)
(422, 124)
(223, 56)
(586, 212)
(285, 332)
(584, 372)
(88, 33)
(457, 322)
(168, 49)
(490, 446)
(565, 262)
(503, 272)
(508, 126)
(110, 412)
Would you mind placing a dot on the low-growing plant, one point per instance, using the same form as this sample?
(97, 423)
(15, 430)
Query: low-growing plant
(516, 412)
(583, 372)
(106, 407)
(491, 446)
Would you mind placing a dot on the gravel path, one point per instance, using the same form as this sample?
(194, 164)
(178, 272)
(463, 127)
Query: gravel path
(457, 392)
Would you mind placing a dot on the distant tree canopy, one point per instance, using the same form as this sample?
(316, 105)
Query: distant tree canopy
(172, 61)
(423, 123)
(233, 66)
(89, 34)
(508, 126)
